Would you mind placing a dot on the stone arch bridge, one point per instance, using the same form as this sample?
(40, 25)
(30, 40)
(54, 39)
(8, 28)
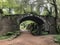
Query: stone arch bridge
(12, 22)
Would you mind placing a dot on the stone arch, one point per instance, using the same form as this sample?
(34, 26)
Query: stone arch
(22, 18)
(38, 19)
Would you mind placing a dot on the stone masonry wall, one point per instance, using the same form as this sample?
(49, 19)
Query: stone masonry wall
(9, 23)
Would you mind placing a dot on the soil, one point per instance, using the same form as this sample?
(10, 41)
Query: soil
(27, 39)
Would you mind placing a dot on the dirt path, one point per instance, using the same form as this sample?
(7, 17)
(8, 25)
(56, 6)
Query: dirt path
(28, 39)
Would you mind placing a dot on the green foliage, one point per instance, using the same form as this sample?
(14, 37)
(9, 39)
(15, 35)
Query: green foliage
(44, 33)
(25, 24)
(36, 32)
(58, 5)
(57, 39)
(33, 29)
(10, 35)
(58, 28)
(21, 6)
(4, 37)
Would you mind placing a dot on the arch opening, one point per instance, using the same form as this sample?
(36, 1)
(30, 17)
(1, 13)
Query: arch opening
(25, 25)
(37, 25)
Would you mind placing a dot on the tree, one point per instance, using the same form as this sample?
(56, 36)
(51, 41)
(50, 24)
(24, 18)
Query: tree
(56, 13)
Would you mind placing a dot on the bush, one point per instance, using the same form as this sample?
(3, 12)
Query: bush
(57, 39)
(58, 29)
(10, 35)
(35, 32)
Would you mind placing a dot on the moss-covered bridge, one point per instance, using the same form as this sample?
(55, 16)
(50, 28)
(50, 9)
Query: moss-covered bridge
(12, 22)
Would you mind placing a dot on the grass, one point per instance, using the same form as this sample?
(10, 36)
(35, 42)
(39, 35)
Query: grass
(44, 33)
(2, 37)
(9, 35)
(57, 39)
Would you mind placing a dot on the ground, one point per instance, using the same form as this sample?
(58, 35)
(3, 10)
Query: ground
(27, 39)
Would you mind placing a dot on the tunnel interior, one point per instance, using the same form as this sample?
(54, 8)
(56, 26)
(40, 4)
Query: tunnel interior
(35, 19)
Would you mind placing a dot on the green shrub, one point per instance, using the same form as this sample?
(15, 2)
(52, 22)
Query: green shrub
(57, 39)
(44, 33)
(58, 29)
(36, 32)
(9, 35)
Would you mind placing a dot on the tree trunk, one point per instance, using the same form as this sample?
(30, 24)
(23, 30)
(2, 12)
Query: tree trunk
(56, 14)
